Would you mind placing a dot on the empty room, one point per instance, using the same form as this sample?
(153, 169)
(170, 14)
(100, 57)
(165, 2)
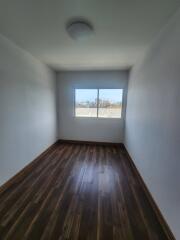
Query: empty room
(89, 120)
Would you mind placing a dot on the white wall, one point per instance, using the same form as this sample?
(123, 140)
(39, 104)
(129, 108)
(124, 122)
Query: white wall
(27, 108)
(88, 129)
(152, 133)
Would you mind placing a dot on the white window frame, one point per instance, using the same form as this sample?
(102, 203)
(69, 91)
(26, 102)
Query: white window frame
(97, 117)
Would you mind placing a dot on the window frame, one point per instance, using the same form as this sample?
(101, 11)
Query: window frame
(97, 117)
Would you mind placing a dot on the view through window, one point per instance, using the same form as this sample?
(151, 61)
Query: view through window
(86, 102)
(101, 103)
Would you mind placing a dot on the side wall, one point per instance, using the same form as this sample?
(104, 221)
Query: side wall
(27, 108)
(89, 129)
(152, 134)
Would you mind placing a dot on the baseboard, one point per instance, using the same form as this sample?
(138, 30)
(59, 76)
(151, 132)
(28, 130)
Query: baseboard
(20, 175)
(162, 221)
(90, 142)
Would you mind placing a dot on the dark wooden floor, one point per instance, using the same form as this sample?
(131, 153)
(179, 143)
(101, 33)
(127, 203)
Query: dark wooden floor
(82, 192)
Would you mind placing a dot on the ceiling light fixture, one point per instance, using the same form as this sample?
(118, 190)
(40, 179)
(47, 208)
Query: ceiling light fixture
(79, 28)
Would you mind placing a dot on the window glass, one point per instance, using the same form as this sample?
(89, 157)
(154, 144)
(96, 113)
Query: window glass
(110, 103)
(86, 102)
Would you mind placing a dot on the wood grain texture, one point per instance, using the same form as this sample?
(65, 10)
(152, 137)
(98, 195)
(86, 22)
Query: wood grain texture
(78, 192)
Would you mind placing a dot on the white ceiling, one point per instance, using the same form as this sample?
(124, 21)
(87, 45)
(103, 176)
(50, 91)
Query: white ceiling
(123, 30)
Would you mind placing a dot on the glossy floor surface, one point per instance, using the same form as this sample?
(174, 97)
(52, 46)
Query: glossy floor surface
(77, 191)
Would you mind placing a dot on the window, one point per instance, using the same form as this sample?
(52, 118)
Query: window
(101, 103)
(86, 102)
(110, 103)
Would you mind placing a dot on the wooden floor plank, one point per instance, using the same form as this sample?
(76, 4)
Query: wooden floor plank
(79, 192)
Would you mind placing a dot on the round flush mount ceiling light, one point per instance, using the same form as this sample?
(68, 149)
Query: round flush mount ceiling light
(79, 28)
